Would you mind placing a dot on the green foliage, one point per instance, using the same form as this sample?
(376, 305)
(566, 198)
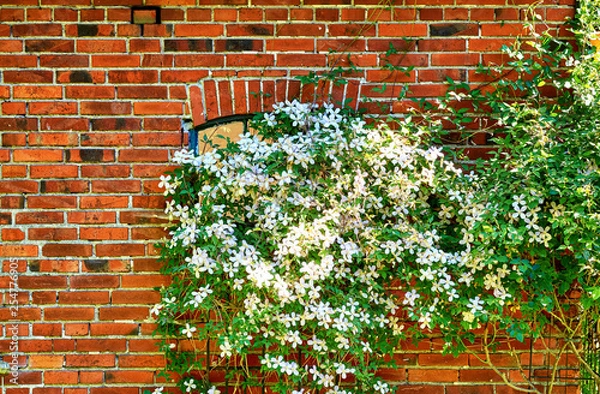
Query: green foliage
(323, 237)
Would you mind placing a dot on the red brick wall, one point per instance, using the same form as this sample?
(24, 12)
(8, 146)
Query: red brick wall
(90, 115)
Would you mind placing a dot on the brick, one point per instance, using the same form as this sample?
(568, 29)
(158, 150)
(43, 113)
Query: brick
(129, 376)
(83, 298)
(254, 60)
(102, 202)
(47, 329)
(14, 171)
(488, 44)
(54, 171)
(12, 234)
(20, 61)
(42, 282)
(114, 124)
(141, 361)
(503, 30)
(149, 202)
(74, 124)
(250, 29)
(147, 92)
(66, 14)
(97, 92)
(69, 313)
(403, 30)
(190, 45)
(143, 155)
(352, 30)
(37, 29)
(12, 15)
(103, 233)
(54, 46)
(37, 155)
(64, 186)
(158, 60)
(432, 375)
(446, 45)
(142, 217)
(418, 389)
(478, 389)
(105, 108)
(192, 30)
(390, 76)
(123, 313)
(77, 329)
(305, 60)
(58, 266)
(90, 360)
(37, 346)
(52, 234)
(62, 250)
(94, 281)
(61, 377)
(444, 360)
(133, 76)
(80, 76)
(105, 171)
(38, 361)
(90, 155)
(53, 139)
(91, 377)
(199, 60)
(130, 297)
(18, 251)
(101, 46)
(9, 108)
(36, 92)
(157, 108)
(116, 61)
(53, 108)
(462, 59)
(160, 124)
(453, 29)
(50, 202)
(143, 281)
(120, 250)
(183, 76)
(116, 186)
(291, 44)
(392, 375)
(440, 75)
(18, 186)
(19, 124)
(100, 329)
(101, 345)
(14, 139)
(33, 76)
(47, 217)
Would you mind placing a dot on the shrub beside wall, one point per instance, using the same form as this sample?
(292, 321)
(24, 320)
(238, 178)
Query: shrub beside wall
(90, 118)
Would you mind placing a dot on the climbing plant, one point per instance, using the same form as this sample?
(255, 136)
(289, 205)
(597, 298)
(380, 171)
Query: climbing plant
(304, 253)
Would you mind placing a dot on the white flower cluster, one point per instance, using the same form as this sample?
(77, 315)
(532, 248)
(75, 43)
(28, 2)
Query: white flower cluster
(292, 237)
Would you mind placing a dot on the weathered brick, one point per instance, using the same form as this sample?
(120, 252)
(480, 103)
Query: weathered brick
(52, 234)
(61, 250)
(48, 202)
(53, 171)
(94, 281)
(55, 46)
(116, 186)
(90, 360)
(120, 250)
